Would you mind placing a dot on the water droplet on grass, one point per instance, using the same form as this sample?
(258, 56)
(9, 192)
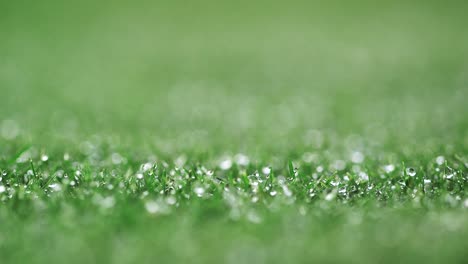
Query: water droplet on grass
(281, 180)
(319, 169)
(225, 164)
(44, 158)
(107, 202)
(25, 156)
(171, 200)
(242, 159)
(389, 168)
(286, 191)
(117, 158)
(309, 157)
(55, 187)
(152, 207)
(411, 172)
(180, 161)
(146, 167)
(339, 165)
(334, 183)
(363, 176)
(254, 199)
(253, 217)
(356, 168)
(330, 196)
(266, 170)
(199, 191)
(357, 157)
(440, 160)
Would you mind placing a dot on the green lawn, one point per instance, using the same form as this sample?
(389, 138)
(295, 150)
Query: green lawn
(246, 132)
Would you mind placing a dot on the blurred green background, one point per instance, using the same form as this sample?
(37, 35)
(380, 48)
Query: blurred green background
(220, 76)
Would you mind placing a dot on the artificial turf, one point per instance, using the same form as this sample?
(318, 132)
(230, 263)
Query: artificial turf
(248, 132)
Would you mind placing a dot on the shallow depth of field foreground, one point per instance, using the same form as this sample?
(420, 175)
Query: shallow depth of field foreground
(233, 132)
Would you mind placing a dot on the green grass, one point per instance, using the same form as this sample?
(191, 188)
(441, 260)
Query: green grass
(262, 132)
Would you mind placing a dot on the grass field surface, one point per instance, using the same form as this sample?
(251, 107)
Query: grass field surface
(246, 132)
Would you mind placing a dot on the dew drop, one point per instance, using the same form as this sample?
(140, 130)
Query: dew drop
(225, 164)
(286, 191)
(440, 160)
(107, 202)
(254, 199)
(389, 168)
(339, 165)
(357, 157)
(254, 217)
(411, 172)
(152, 207)
(309, 157)
(117, 158)
(319, 169)
(330, 196)
(146, 167)
(363, 176)
(180, 161)
(55, 187)
(242, 159)
(266, 170)
(171, 200)
(199, 191)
